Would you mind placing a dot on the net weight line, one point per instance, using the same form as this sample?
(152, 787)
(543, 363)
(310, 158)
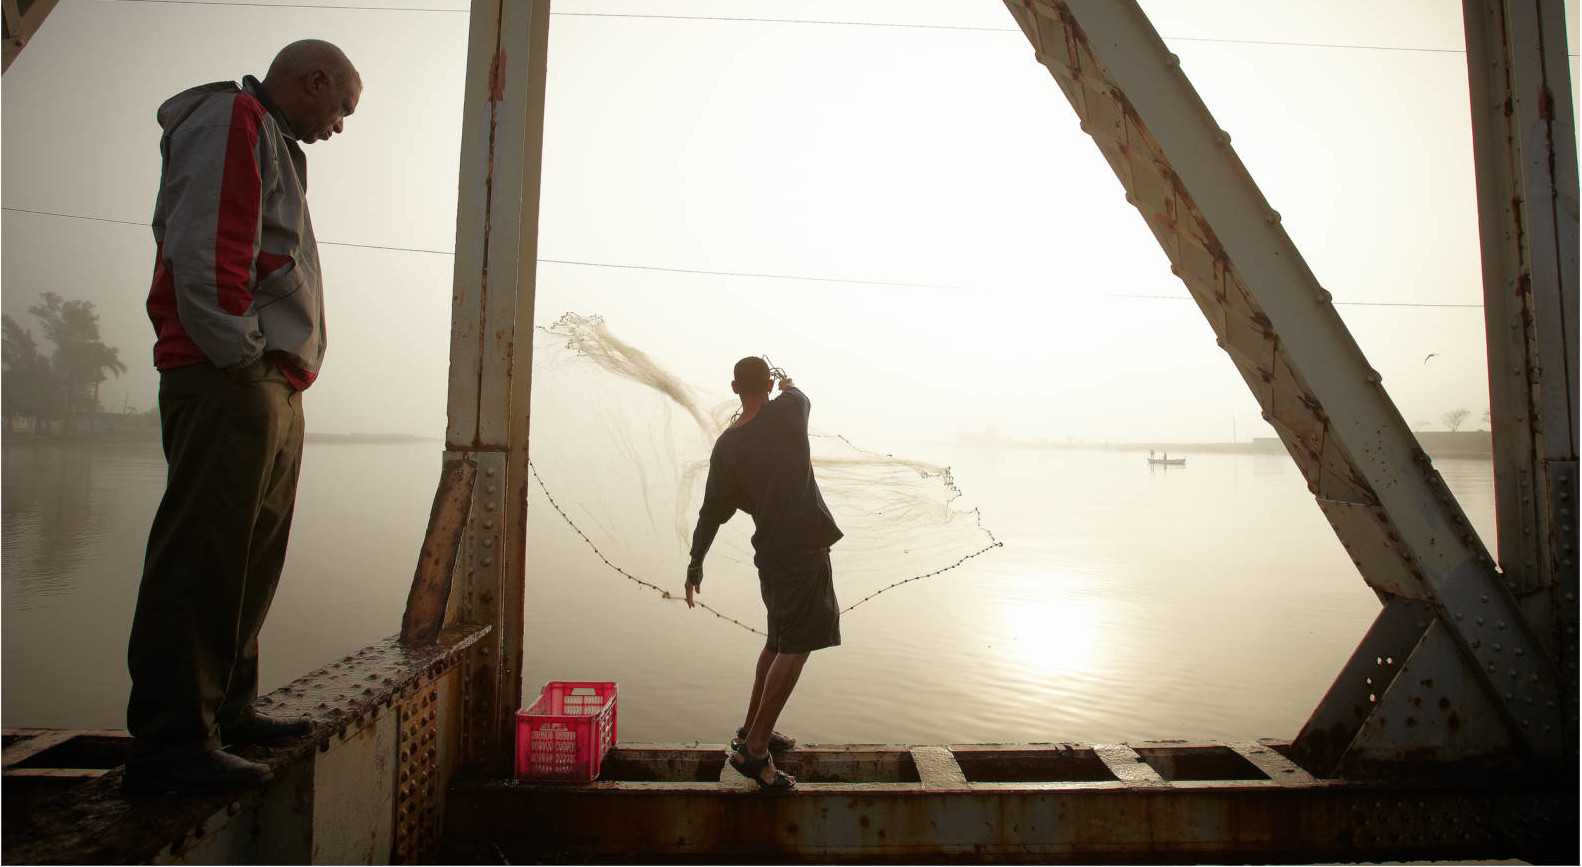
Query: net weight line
(946, 478)
(667, 595)
(663, 593)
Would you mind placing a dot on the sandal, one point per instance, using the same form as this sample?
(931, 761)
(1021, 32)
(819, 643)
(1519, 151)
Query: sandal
(752, 767)
(778, 743)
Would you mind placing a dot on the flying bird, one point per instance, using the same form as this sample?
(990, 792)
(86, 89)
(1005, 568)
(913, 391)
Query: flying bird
(1428, 356)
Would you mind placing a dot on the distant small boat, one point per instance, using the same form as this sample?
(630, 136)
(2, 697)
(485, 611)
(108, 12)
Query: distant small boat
(1167, 462)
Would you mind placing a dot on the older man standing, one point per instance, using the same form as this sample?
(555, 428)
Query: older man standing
(238, 316)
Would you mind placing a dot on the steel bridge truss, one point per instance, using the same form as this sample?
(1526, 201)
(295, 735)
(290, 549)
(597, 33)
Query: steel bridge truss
(1466, 661)
(1469, 662)
(19, 20)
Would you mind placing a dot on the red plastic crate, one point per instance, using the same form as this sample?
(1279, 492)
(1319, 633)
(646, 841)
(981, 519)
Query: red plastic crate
(563, 736)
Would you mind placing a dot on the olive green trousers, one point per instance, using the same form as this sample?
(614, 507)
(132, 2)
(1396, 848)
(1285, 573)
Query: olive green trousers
(233, 446)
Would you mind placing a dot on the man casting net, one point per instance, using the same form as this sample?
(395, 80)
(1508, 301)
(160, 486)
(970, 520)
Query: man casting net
(620, 449)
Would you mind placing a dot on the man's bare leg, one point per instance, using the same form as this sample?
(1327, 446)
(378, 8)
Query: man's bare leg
(778, 683)
(765, 658)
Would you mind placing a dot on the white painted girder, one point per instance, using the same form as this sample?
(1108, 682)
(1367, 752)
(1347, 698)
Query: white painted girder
(1385, 501)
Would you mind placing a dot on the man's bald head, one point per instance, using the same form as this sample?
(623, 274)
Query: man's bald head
(315, 86)
(306, 55)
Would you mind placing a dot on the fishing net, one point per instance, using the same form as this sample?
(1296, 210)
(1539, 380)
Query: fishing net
(620, 450)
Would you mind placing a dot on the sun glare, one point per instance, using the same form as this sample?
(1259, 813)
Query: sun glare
(1049, 638)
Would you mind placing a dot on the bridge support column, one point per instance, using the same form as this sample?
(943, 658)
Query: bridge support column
(1525, 149)
(1387, 504)
(491, 360)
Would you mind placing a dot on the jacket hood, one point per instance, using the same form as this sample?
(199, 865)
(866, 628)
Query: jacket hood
(176, 109)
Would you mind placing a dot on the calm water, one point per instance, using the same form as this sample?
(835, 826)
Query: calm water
(1210, 601)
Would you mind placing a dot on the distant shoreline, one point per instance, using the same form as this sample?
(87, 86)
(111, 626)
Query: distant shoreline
(152, 435)
(1439, 444)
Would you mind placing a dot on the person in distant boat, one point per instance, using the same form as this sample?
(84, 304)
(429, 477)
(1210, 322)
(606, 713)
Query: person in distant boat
(762, 466)
(238, 313)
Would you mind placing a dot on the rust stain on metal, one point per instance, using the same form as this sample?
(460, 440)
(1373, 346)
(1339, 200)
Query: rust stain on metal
(94, 823)
(497, 76)
(416, 814)
(432, 580)
(1197, 816)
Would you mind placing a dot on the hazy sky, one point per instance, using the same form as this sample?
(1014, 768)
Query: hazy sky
(940, 157)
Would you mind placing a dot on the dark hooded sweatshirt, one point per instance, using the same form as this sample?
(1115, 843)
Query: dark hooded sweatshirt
(764, 468)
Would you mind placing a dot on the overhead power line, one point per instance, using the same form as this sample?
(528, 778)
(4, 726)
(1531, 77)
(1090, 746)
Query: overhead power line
(335, 6)
(662, 268)
(828, 22)
(807, 278)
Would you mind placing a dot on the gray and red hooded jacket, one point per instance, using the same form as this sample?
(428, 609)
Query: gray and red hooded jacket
(236, 272)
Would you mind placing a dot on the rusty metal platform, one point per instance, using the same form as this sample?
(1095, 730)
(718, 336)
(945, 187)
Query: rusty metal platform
(1155, 801)
(367, 787)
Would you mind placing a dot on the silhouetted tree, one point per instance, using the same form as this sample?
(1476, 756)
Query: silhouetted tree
(81, 361)
(26, 379)
(1455, 418)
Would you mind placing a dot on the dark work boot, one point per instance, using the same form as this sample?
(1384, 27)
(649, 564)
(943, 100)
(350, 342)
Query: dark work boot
(256, 728)
(192, 772)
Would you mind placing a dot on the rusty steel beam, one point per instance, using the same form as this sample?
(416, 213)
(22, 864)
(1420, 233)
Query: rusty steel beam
(1389, 507)
(22, 22)
(1435, 708)
(337, 796)
(1372, 668)
(491, 354)
(25, 748)
(1024, 803)
(436, 564)
(1525, 157)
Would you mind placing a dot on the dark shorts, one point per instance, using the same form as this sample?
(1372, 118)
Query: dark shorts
(799, 592)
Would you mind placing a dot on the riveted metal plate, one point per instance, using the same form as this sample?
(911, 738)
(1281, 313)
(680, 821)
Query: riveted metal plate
(1520, 679)
(1563, 504)
(1371, 669)
(479, 592)
(417, 817)
(1436, 708)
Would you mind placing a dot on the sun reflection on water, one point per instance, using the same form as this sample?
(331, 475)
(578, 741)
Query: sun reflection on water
(1048, 638)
